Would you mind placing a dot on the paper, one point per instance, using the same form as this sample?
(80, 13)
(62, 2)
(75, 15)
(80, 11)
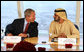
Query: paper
(12, 39)
(67, 41)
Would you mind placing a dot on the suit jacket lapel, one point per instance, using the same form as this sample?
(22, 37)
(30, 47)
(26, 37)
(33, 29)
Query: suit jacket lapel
(22, 25)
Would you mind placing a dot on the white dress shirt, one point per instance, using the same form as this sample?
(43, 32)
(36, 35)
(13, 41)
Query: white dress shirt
(25, 22)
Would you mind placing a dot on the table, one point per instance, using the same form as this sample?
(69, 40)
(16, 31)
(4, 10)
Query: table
(52, 46)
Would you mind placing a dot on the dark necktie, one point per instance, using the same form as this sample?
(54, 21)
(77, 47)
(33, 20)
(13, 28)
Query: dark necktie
(26, 28)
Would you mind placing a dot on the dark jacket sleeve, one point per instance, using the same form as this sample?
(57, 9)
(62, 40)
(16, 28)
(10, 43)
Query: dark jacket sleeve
(34, 32)
(10, 28)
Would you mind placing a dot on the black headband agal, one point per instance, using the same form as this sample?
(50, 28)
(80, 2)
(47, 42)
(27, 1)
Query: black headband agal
(59, 11)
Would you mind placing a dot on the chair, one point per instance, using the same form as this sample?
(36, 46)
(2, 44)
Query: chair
(76, 26)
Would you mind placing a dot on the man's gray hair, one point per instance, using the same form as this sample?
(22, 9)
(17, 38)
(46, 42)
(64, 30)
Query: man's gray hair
(28, 12)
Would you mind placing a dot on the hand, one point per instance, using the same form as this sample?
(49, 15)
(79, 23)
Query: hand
(22, 35)
(62, 35)
(9, 34)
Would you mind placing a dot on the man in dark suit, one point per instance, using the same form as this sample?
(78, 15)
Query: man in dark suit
(24, 27)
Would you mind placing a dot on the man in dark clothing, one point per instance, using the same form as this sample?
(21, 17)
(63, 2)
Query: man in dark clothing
(24, 27)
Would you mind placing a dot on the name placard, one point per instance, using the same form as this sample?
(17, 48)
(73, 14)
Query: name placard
(12, 39)
(67, 41)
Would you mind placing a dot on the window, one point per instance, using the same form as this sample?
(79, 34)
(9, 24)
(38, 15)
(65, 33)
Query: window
(8, 12)
(81, 18)
(45, 11)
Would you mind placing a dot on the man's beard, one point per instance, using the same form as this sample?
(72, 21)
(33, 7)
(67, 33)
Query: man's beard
(57, 20)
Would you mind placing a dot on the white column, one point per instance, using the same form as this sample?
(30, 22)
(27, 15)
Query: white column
(20, 8)
(78, 5)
